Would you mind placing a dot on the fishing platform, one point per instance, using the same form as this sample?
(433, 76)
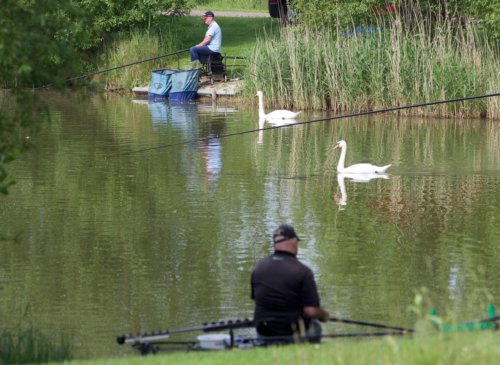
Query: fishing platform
(206, 88)
(210, 79)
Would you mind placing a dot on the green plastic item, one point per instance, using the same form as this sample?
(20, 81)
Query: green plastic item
(482, 324)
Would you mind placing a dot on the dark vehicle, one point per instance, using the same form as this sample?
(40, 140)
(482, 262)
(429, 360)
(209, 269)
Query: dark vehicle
(278, 8)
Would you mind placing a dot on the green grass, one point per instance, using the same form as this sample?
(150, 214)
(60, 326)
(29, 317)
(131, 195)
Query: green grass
(457, 349)
(234, 5)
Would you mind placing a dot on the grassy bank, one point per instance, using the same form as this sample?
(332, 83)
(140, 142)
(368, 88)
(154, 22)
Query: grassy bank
(456, 349)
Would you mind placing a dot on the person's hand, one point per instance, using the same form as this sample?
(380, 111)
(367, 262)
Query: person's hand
(325, 316)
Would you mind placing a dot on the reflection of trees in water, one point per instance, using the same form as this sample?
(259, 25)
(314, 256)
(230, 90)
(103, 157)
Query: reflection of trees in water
(22, 114)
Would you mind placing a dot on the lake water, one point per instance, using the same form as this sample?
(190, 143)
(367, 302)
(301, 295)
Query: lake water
(125, 220)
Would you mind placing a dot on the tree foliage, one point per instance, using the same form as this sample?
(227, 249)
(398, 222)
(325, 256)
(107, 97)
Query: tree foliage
(106, 16)
(36, 40)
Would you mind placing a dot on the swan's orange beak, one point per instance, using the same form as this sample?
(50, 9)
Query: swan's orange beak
(336, 146)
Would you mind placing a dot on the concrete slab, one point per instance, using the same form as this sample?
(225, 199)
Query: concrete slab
(229, 88)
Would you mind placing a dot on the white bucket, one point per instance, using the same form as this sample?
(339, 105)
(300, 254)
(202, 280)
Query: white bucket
(214, 341)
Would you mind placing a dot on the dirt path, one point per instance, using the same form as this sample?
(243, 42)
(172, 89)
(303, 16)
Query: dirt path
(234, 14)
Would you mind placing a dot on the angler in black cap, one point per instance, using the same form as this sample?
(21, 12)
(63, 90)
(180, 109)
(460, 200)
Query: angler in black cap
(285, 293)
(211, 43)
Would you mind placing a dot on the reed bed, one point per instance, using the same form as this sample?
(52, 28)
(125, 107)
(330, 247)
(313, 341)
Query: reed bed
(308, 68)
(30, 346)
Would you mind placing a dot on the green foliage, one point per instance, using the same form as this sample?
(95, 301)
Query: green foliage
(35, 41)
(233, 5)
(105, 16)
(341, 14)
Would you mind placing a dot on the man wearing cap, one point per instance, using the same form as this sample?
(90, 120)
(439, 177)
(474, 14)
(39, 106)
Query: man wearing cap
(211, 43)
(285, 293)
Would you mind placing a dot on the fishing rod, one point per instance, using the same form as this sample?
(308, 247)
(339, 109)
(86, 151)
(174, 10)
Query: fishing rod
(342, 116)
(371, 324)
(206, 327)
(116, 67)
(238, 324)
(153, 347)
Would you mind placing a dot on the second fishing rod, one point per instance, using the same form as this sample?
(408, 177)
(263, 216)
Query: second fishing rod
(93, 73)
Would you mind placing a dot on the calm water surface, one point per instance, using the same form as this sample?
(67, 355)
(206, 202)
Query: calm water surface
(109, 230)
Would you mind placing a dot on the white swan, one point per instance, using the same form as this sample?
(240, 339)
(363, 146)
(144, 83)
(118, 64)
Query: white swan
(274, 116)
(360, 168)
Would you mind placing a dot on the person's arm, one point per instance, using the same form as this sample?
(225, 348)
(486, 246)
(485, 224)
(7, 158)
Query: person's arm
(317, 313)
(205, 41)
(312, 308)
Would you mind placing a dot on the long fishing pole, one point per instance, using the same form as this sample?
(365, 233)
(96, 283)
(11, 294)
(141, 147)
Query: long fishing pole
(207, 327)
(146, 347)
(237, 324)
(117, 67)
(342, 116)
(370, 324)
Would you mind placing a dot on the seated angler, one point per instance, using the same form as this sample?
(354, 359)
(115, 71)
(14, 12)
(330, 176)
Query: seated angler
(210, 44)
(287, 303)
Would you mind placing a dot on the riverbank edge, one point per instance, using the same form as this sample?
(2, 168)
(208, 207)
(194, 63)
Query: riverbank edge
(459, 348)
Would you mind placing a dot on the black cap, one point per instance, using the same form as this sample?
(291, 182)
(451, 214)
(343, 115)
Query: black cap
(209, 13)
(284, 232)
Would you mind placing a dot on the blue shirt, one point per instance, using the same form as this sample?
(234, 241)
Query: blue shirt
(216, 41)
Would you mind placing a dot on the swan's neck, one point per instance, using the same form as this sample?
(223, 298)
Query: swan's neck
(340, 166)
(262, 115)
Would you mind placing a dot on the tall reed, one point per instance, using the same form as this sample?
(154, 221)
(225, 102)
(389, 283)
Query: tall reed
(30, 346)
(394, 64)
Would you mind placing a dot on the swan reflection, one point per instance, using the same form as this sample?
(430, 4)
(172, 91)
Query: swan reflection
(358, 178)
(279, 122)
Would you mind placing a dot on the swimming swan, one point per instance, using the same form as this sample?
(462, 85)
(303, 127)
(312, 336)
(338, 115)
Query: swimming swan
(276, 115)
(360, 168)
